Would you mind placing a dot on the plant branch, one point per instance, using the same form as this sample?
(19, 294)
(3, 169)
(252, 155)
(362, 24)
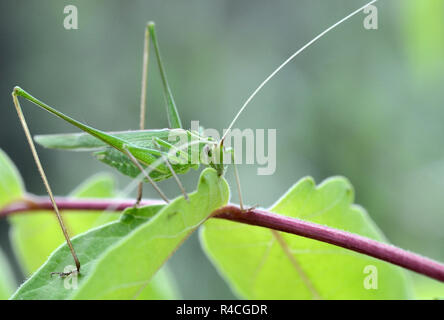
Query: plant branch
(260, 218)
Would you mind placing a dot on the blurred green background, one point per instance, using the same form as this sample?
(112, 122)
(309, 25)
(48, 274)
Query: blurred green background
(366, 104)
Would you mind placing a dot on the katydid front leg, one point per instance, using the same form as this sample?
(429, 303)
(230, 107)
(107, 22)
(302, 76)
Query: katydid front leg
(147, 176)
(170, 167)
(236, 175)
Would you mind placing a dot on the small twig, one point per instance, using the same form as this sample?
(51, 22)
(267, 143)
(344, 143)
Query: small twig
(261, 218)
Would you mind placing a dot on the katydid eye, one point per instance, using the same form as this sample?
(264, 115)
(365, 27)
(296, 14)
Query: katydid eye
(207, 150)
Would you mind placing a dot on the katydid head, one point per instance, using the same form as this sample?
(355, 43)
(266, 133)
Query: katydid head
(215, 155)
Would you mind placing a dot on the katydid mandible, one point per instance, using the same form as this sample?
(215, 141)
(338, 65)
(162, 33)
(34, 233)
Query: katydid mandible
(146, 152)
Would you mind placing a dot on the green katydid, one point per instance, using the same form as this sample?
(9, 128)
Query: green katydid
(130, 152)
(147, 152)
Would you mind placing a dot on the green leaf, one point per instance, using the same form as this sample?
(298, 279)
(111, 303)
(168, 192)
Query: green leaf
(119, 259)
(161, 287)
(426, 288)
(261, 264)
(34, 235)
(11, 189)
(7, 283)
(11, 184)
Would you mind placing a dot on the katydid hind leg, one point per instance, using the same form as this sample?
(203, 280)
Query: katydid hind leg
(143, 99)
(47, 185)
(172, 113)
(144, 154)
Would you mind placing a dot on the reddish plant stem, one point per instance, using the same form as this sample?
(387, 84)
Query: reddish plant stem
(260, 218)
(33, 203)
(340, 238)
